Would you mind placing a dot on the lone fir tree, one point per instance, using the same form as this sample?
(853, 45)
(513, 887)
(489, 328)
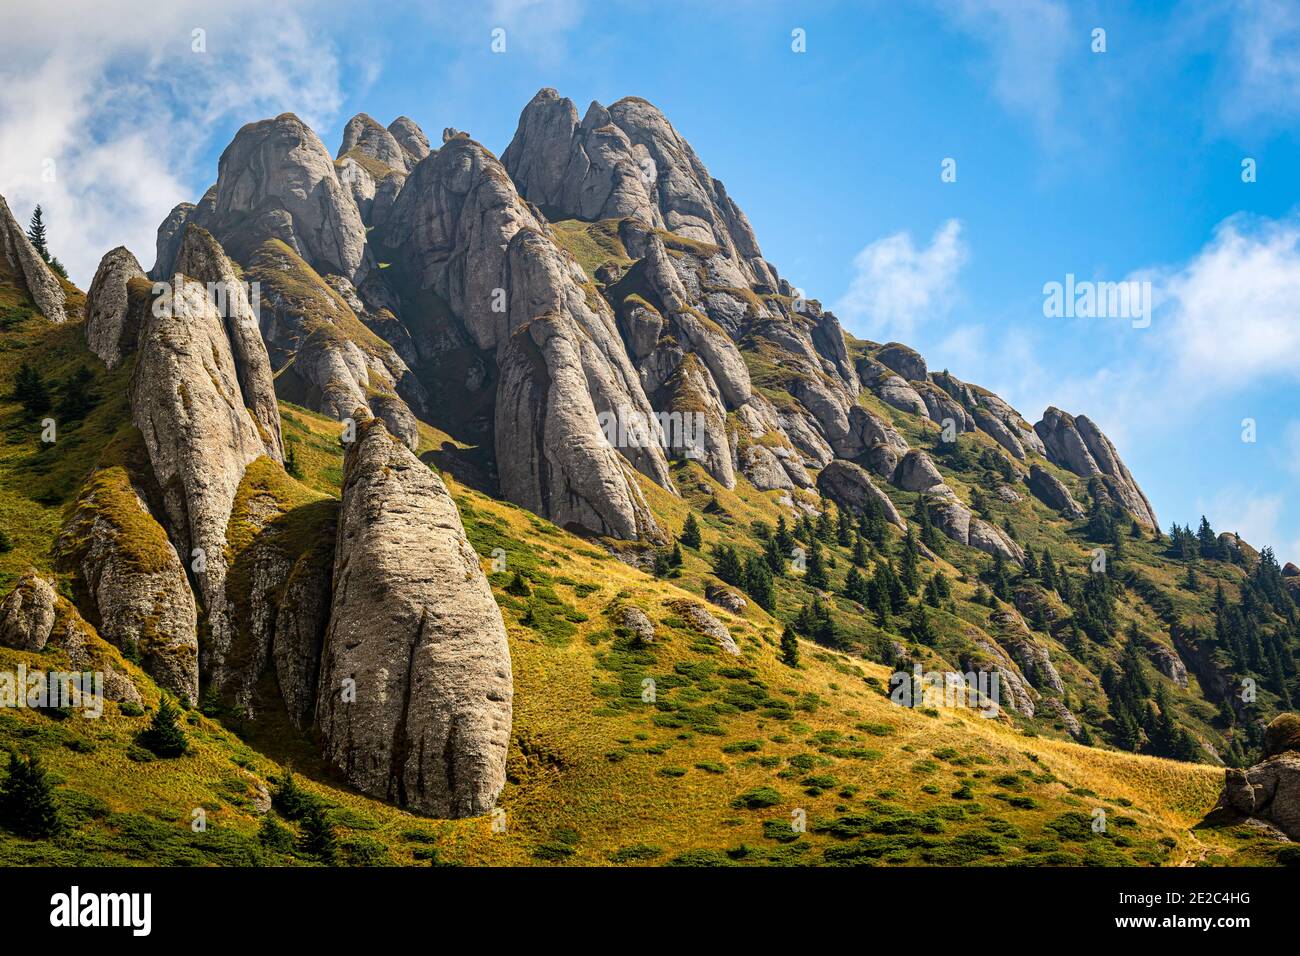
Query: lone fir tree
(27, 805)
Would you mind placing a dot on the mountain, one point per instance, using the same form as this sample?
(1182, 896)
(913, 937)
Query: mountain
(461, 483)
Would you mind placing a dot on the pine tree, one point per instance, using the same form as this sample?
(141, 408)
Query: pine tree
(929, 534)
(274, 835)
(675, 558)
(290, 800)
(726, 564)
(291, 466)
(784, 541)
(691, 532)
(909, 572)
(773, 556)
(844, 529)
(859, 550)
(1190, 582)
(757, 583)
(855, 587)
(1031, 564)
(789, 647)
(36, 234)
(317, 839)
(1047, 571)
(920, 629)
(27, 806)
(825, 527)
(164, 736)
(815, 575)
(30, 390)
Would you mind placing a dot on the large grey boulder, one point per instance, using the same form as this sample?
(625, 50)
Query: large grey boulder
(27, 613)
(416, 686)
(850, 487)
(1270, 790)
(1077, 444)
(1052, 491)
(108, 329)
(29, 269)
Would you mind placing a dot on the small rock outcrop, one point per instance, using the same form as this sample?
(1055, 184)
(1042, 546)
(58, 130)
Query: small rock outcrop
(850, 487)
(1052, 491)
(27, 613)
(25, 264)
(416, 685)
(1077, 444)
(699, 619)
(1270, 790)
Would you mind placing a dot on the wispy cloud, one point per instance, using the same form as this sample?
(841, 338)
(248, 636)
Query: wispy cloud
(105, 108)
(897, 286)
(1026, 42)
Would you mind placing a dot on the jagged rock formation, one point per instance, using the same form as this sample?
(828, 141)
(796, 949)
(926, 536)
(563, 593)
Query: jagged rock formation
(201, 258)
(110, 333)
(130, 581)
(415, 682)
(33, 617)
(627, 161)
(1077, 444)
(1270, 790)
(26, 265)
(366, 137)
(276, 181)
(1052, 491)
(170, 231)
(186, 401)
(459, 231)
(411, 138)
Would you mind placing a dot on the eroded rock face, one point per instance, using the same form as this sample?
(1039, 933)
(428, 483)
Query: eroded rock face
(108, 306)
(1078, 445)
(1169, 663)
(33, 617)
(201, 257)
(627, 160)
(276, 181)
(849, 486)
(1052, 491)
(411, 138)
(1270, 790)
(25, 264)
(186, 401)
(699, 618)
(27, 613)
(129, 581)
(364, 135)
(415, 630)
(459, 231)
(170, 231)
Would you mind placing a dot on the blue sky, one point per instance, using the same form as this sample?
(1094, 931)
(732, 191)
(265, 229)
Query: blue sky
(1107, 165)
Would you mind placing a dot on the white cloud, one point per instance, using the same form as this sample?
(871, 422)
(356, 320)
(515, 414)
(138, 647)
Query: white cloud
(897, 286)
(1264, 57)
(1026, 42)
(116, 98)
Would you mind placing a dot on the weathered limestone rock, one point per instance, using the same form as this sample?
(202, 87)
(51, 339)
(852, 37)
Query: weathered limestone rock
(727, 598)
(636, 621)
(367, 137)
(130, 581)
(416, 633)
(276, 181)
(1270, 790)
(1052, 491)
(26, 265)
(108, 331)
(411, 138)
(170, 231)
(201, 257)
(903, 360)
(698, 617)
(1077, 444)
(186, 401)
(27, 613)
(849, 486)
